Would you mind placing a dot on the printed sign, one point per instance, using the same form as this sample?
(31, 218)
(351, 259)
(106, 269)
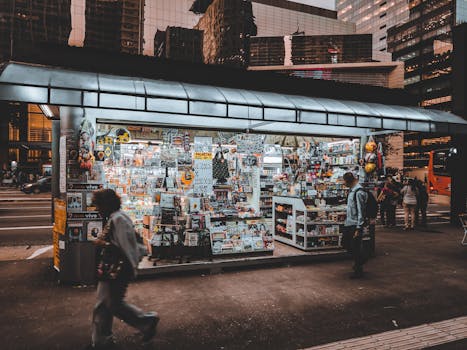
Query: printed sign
(250, 143)
(202, 165)
(84, 216)
(59, 216)
(84, 187)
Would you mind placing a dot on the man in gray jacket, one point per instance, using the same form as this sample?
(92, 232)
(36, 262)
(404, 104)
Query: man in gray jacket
(353, 227)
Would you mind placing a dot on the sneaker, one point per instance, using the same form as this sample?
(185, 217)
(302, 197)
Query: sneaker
(151, 331)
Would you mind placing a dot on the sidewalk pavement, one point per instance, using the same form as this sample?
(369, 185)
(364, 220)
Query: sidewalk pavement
(417, 277)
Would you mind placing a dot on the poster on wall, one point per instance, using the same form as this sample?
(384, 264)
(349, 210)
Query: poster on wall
(94, 228)
(62, 155)
(74, 202)
(58, 230)
(250, 143)
(75, 232)
(202, 165)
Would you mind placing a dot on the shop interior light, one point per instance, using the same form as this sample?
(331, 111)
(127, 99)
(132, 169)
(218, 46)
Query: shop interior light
(47, 111)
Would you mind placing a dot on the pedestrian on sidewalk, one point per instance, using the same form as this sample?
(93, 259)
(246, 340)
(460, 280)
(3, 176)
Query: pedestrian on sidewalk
(117, 267)
(389, 198)
(353, 228)
(409, 201)
(422, 203)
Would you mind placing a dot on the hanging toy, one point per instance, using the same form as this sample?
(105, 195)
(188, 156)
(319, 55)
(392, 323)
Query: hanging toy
(380, 156)
(186, 142)
(370, 168)
(370, 146)
(86, 145)
(370, 158)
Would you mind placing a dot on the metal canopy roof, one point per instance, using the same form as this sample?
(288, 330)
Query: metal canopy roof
(263, 111)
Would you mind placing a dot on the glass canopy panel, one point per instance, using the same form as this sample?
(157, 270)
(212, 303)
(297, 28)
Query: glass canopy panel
(167, 105)
(394, 124)
(271, 99)
(204, 93)
(23, 94)
(121, 101)
(208, 108)
(388, 111)
(418, 126)
(312, 117)
(233, 96)
(65, 97)
(110, 83)
(245, 112)
(73, 80)
(369, 122)
(334, 106)
(285, 115)
(161, 88)
(310, 129)
(413, 113)
(250, 98)
(24, 74)
(306, 103)
(361, 108)
(341, 120)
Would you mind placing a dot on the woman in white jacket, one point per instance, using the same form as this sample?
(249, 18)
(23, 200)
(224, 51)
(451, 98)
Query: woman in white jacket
(409, 200)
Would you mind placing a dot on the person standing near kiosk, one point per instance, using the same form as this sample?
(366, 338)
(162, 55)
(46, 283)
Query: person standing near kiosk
(353, 228)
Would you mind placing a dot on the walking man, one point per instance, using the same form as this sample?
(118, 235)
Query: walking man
(353, 228)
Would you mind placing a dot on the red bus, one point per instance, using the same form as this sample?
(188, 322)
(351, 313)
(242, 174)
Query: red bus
(439, 181)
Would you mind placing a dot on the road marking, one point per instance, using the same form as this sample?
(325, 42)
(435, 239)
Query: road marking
(16, 199)
(414, 338)
(39, 251)
(23, 228)
(24, 208)
(25, 216)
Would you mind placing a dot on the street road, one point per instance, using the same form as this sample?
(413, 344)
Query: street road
(24, 219)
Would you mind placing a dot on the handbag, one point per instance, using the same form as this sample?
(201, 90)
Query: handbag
(110, 260)
(220, 168)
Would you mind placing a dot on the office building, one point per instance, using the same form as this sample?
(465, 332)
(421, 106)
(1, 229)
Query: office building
(115, 25)
(179, 44)
(310, 49)
(29, 22)
(425, 44)
(227, 26)
(374, 17)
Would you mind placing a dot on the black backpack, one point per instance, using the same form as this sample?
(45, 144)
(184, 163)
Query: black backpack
(371, 205)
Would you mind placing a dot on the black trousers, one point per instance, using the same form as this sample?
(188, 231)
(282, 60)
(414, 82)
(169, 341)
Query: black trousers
(354, 246)
(390, 214)
(421, 209)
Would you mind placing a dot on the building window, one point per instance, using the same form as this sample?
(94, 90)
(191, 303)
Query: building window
(382, 15)
(383, 26)
(39, 127)
(382, 38)
(383, 49)
(383, 3)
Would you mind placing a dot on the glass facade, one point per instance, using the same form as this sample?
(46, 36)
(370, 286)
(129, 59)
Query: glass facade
(374, 17)
(424, 43)
(461, 11)
(277, 21)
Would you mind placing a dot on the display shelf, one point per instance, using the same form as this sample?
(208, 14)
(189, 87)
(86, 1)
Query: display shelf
(302, 239)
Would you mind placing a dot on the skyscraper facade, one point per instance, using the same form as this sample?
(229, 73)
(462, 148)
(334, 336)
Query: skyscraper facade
(33, 21)
(374, 17)
(425, 44)
(115, 25)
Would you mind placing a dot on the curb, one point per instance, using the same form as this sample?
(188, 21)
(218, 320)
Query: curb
(215, 267)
